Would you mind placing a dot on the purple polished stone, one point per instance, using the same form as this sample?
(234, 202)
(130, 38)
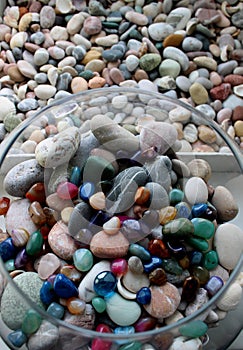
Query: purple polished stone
(213, 285)
(21, 259)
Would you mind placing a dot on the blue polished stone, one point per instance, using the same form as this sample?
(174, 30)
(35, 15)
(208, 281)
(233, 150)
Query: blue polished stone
(99, 219)
(177, 249)
(17, 338)
(105, 284)
(21, 259)
(47, 293)
(56, 310)
(7, 249)
(144, 296)
(64, 287)
(213, 285)
(124, 330)
(75, 176)
(152, 264)
(86, 190)
(195, 257)
(183, 210)
(199, 209)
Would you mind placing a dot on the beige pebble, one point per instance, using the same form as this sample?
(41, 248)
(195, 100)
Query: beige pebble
(112, 226)
(224, 202)
(196, 190)
(198, 93)
(26, 69)
(56, 203)
(44, 91)
(60, 241)
(91, 55)
(74, 25)
(165, 300)
(65, 214)
(37, 136)
(28, 146)
(59, 33)
(95, 65)
(206, 134)
(107, 40)
(137, 18)
(200, 168)
(231, 298)
(78, 84)
(96, 82)
(238, 126)
(98, 201)
(107, 246)
(206, 62)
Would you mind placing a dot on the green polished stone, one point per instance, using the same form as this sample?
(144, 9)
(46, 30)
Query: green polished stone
(176, 196)
(210, 260)
(180, 228)
(35, 243)
(9, 264)
(171, 266)
(203, 228)
(56, 310)
(201, 273)
(131, 346)
(99, 304)
(97, 169)
(83, 259)
(193, 329)
(198, 243)
(31, 322)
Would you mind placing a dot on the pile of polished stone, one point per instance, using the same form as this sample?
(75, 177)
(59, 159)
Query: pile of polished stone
(187, 49)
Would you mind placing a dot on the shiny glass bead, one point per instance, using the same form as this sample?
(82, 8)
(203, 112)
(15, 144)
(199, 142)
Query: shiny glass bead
(189, 289)
(86, 190)
(76, 306)
(210, 260)
(203, 228)
(213, 285)
(75, 177)
(144, 296)
(67, 190)
(152, 264)
(56, 310)
(64, 287)
(119, 267)
(4, 205)
(195, 257)
(37, 214)
(37, 193)
(193, 329)
(140, 251)
(35, 243)
(201, 273)
(158, 248)
(17, 338)
(183, 210)
(31, 322)
(176, 196)
(47, 293)
(105, 284)
(83, 259)
(145, 324)
(7, 249)
(199, 209)
(99, 304)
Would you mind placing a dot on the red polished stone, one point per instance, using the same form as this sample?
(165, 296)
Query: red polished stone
(67, 190)
(145, 324)
(100, 344)
(158, 248)
(37, 193)
(4, 205)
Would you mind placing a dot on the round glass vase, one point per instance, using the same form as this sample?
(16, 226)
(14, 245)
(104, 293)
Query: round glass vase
(132, 109)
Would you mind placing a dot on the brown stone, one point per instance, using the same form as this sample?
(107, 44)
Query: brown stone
(173, 40)
(78, 84)
(234, 79)
(15, 74)
(92, 25)
(237, 113)
(96, 82)
(220, 92)
(116, 76)
(206, 134)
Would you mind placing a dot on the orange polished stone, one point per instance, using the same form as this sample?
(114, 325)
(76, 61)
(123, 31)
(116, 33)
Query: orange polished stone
(4, 205)
(37, 193)
(158, 248)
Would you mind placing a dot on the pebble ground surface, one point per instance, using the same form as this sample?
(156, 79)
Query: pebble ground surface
(189, 50)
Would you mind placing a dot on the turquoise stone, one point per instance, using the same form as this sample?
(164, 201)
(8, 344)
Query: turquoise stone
(131, 346)
(83, 259)
(178, 229)
(203, 228)
(17, 338)
(193, 329)
(99, 304)
(10, 265)
(195, 257)
(35, 243)
(75, 176)
(210, 260)
(31, 322)
(140, 251)
(176, 196)
(56, 310)
(105, 284)
(124, 331)
(198, 243)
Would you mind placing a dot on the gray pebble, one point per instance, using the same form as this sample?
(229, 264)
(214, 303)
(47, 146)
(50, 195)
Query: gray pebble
(159, 170)
(158, 196)
(192, 44)
(37, 38)
(44, 338)
(28, 104)
(22, 176)
(41, 78)
(227, 67)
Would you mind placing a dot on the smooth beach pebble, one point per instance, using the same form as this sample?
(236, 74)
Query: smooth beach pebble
(196, 190)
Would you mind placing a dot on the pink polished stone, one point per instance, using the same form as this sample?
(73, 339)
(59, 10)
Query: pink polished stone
(119, 267)
(67, 190)
(49, 263)
(99, 344)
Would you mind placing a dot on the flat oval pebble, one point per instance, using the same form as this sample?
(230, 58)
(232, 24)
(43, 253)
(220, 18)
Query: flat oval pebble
(196, 190)
(228, 242)
(227, 208)
(231, 298)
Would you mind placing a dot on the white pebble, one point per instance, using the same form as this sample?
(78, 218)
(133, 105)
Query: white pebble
(231, 298)
(196, 190)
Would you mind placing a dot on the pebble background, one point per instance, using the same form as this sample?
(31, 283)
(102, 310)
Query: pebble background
(190, 50)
